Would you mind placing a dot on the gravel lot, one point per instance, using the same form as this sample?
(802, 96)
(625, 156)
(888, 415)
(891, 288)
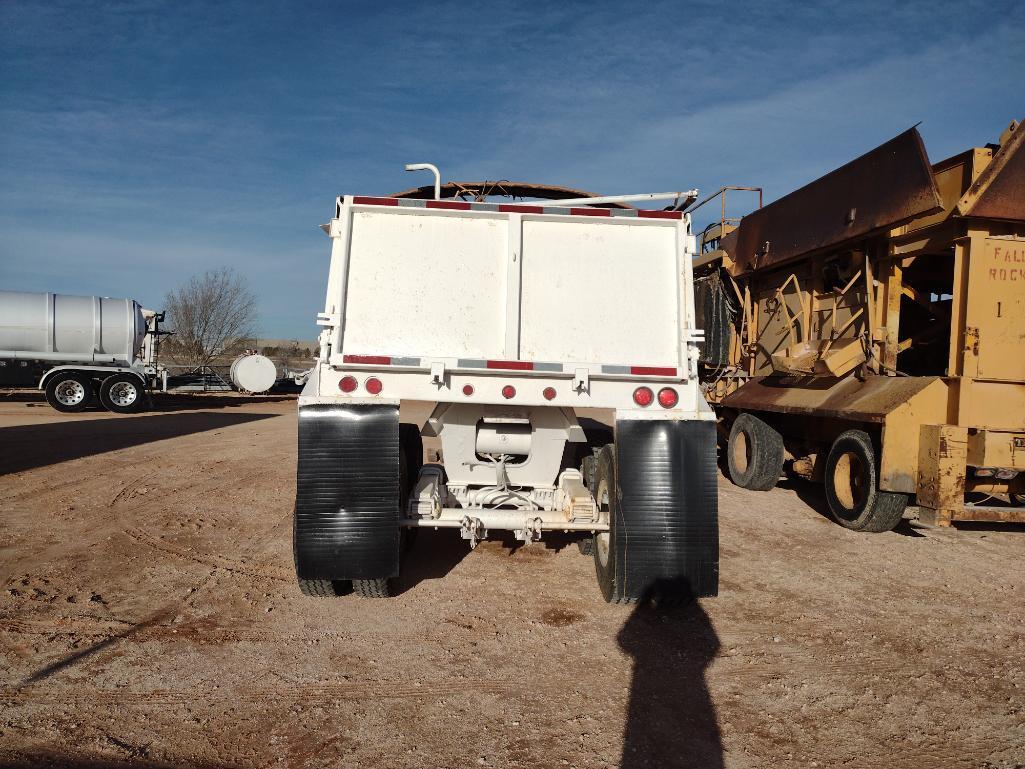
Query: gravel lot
(149, 617)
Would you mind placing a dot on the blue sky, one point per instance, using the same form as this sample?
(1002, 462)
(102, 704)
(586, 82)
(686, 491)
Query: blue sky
(141, 142)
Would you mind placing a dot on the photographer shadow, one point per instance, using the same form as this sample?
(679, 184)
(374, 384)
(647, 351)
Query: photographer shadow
(671, 721)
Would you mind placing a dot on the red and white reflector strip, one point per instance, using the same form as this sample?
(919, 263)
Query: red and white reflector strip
(652, 371)
(516, 208)
(511, 365)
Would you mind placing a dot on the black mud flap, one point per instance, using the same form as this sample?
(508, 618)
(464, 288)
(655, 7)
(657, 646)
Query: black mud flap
(347, 492)
(667, 538)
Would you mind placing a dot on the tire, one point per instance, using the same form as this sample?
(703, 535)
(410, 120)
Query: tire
(411, 459)
(319, 588)
(371, 588)
(754, 453)
(69, 392)
(604, 548)
(122, 393)
(852, 486)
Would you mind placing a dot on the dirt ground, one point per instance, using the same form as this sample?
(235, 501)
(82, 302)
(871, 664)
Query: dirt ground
(149, 617)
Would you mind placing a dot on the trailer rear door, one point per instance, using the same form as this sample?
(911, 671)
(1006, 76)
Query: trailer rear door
(494, 284)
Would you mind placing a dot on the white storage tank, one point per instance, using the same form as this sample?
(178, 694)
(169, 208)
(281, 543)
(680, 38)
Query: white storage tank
(61, 327)
(253, 373)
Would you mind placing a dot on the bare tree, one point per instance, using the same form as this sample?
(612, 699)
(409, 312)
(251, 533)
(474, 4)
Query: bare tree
(211, 314)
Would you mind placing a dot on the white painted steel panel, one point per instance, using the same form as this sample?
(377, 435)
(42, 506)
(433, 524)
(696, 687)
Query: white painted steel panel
(600, 292)
(426, 285)
(253, 373)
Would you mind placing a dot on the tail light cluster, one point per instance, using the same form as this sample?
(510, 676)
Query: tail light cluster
(509, 392)
(349, 384)
(643, 395)
(667, 397)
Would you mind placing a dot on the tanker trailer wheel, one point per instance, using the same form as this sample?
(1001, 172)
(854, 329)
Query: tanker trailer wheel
(852, 486)
(69, 392)
(754, 453)
(604, 547)
(122, 393)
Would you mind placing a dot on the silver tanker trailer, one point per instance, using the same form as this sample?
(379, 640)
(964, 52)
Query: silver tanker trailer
(79, 349)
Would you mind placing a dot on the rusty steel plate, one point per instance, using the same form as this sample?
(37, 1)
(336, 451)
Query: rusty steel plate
(883, 188)
(999, 192)
(868, 400)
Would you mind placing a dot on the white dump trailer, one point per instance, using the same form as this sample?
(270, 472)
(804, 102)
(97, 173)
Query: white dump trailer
(78, 348)
(554, 347)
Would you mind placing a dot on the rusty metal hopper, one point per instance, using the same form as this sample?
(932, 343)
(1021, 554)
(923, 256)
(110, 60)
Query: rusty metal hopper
(883, 188)
(999, 192)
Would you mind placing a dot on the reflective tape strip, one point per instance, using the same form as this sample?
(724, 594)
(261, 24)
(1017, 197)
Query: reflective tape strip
(365, 201)
(652, 371)
(646, 214)
(452, 205)
(519, 209)
(549, 367)
(640, 370)
(511, 365)
(373, 360)
(516, 208)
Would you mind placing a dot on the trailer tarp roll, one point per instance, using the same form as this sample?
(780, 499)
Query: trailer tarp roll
(347, 505)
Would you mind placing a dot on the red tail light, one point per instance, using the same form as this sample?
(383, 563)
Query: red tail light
(348, 384)
(467, 390)
(508, 392)
(667, 397)
(549, 393)
(374, 386)
(643, 396)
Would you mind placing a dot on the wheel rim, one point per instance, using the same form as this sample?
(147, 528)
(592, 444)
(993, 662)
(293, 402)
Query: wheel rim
(602, 541)
(850, 481)
(123, 394)
(70, 392)
(741, 451)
